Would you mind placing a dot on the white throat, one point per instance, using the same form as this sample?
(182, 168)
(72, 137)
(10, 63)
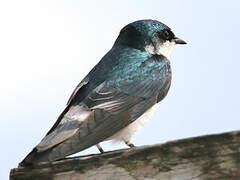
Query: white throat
(160, 49)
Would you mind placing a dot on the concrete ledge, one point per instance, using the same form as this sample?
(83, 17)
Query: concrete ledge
(205, 157)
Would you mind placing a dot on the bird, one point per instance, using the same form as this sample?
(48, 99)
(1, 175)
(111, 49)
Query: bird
(116, 97)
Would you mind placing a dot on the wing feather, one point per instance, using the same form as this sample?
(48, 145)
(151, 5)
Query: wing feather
(105, 110)
(67, 127)
(80, 85)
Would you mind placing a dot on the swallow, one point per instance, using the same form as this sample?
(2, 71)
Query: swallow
(116, 97)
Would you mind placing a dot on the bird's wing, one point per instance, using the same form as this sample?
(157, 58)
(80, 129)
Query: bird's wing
(107, 109)
(83, 83)
(79, 86)
(90, 117)
(66, 127)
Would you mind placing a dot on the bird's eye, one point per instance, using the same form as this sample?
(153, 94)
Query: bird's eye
(166, 34)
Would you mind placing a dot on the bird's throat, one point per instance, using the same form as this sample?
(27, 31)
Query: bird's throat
(160, 48)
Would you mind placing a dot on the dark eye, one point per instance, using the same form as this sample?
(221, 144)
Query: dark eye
(166, 34)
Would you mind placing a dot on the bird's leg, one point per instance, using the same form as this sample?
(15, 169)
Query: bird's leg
(131, 145)
(100, 148)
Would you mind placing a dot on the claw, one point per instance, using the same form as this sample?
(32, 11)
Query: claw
(131, 145)
(100, 148)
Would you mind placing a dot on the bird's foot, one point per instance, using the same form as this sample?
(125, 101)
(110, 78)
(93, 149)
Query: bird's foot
(100, 148)
(131, 145)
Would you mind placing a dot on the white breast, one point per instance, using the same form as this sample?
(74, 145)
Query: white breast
(126, 133)
(166, 48)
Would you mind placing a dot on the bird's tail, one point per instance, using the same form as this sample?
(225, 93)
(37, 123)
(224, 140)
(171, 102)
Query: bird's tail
(33, 158)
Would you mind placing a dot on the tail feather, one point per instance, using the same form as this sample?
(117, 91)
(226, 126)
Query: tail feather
(34, 157)
(28, 160)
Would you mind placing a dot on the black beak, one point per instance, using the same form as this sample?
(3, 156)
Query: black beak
(178, 40)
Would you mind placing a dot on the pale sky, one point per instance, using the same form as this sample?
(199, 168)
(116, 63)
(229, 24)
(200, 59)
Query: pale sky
(48, 46)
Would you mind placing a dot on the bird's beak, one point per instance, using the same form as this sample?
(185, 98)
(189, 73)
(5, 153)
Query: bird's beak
(179, 41)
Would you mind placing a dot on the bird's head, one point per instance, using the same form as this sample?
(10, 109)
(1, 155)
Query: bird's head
(149, 35)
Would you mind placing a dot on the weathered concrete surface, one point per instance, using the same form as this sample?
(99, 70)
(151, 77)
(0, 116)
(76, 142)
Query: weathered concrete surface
(215, 157)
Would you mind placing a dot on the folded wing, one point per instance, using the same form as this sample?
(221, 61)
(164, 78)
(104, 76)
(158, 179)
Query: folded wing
(104, 111)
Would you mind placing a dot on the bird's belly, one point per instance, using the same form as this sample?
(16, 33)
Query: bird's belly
(126, 133)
